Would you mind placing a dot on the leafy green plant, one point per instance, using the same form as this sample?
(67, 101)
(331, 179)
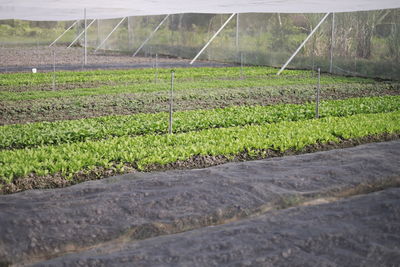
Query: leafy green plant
(51, 133)
(144, 151)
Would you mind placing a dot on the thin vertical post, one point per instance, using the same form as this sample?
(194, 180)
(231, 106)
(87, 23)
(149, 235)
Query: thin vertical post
(317, 97)
(171, 102)
(212, 38)
(303, 43)
(85, 46)
(332, 42)
(54, 69)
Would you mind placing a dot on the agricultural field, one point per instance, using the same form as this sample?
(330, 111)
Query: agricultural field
(61, 128)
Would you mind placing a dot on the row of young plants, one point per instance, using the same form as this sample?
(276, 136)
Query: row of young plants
(144, 151)
(179, 85)
(139, 75)
(51, 133)
(73, 108)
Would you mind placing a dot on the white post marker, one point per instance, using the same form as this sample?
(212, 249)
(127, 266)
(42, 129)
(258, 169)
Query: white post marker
(34, 70)
(73, 24)
(302, 44)
(212, 38)
(108, 36)
(150, 36)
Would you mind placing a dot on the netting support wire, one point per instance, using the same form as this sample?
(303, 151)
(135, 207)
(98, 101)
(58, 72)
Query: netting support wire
(150, 36)
(108, 36)
(58, 38)
(303, 43)
(76, 39)
(212, 38)
(85, 44)
(332, 42)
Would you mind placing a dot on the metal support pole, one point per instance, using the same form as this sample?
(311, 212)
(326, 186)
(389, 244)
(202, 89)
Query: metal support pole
(317, 97)
(54, 69)
(79, 36)
(85, 44)
(303, 43)
(150, 36)
(237, 32)
(212, 38)
(332, 42)
(108, 36)
(73, 24)
(171, 102)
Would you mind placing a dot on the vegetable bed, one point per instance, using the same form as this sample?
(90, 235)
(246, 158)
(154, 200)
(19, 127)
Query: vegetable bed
(219, 114)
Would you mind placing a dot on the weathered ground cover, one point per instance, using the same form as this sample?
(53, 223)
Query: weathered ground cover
(101, 222)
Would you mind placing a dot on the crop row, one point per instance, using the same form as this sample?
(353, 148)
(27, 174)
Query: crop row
(185, 85)
(50, 133)
(137, 75)
(144, 151)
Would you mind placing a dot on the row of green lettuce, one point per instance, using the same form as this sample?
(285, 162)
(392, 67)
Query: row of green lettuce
(144, 151)
(138, 75)
(52, 133)
(179, 85)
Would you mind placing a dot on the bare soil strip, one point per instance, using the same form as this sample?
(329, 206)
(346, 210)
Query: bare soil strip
(359, 231)
(38, 225)
(23, 59)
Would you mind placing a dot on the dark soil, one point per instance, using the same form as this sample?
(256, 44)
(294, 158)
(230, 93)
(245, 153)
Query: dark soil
(55, 181)
(100, 222)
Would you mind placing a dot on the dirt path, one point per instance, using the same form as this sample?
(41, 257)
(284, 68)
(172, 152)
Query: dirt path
(23, 59)
(111, 215)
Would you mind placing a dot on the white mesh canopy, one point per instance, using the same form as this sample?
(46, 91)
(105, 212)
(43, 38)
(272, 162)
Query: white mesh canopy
(57, 10)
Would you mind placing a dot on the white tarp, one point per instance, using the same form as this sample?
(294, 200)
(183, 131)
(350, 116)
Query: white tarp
(54, 10)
